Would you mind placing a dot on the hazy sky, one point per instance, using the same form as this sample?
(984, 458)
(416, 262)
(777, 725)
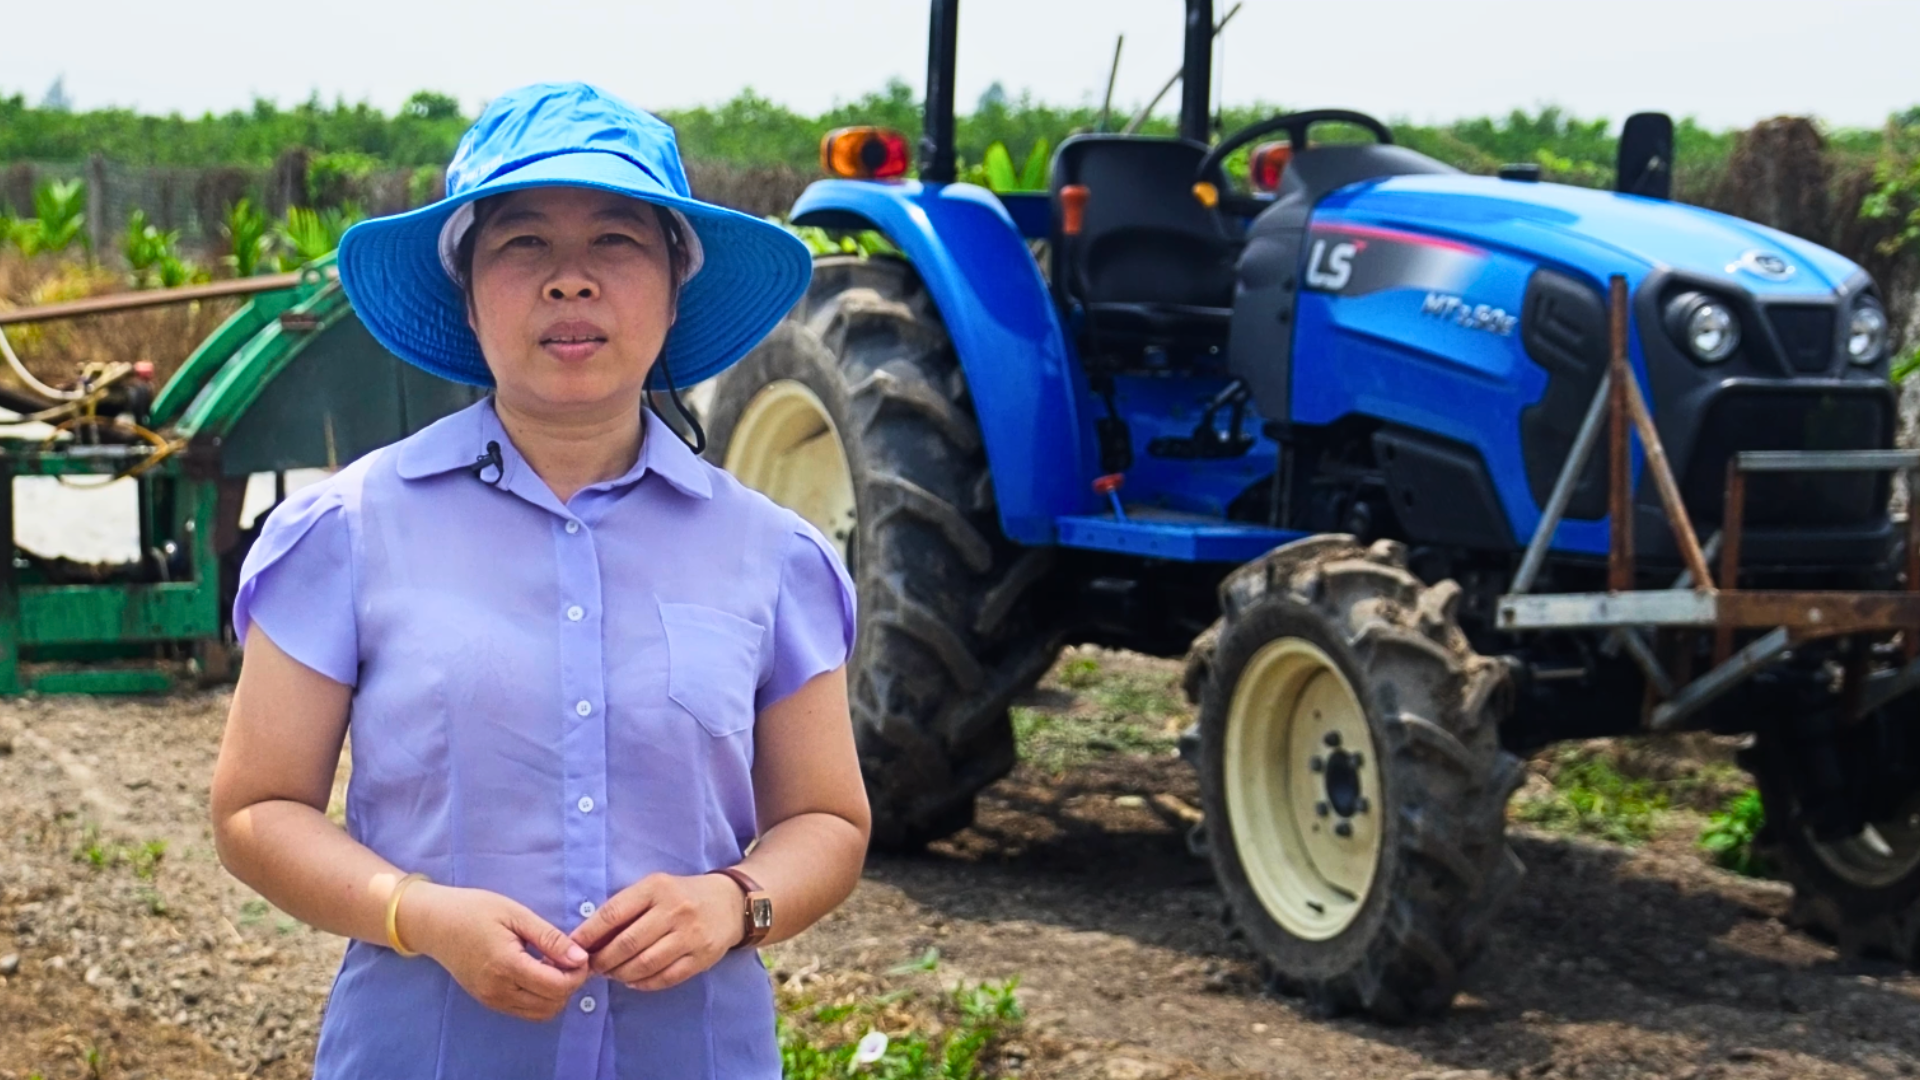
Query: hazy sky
(1726, 62)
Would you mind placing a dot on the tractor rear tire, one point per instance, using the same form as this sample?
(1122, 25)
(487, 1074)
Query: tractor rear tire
(1354, 785)
(949, 626)
(1863, 893)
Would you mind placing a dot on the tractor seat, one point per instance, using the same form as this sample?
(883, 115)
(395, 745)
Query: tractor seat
(1150, 265)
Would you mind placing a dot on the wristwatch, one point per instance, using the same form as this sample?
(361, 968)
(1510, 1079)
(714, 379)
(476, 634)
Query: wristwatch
(757, 915)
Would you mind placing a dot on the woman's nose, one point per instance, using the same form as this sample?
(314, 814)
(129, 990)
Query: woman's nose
(571, 287)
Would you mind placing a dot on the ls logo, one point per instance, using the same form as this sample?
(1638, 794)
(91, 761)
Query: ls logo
(1331, 267)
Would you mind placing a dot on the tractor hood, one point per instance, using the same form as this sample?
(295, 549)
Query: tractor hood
(1599, 232)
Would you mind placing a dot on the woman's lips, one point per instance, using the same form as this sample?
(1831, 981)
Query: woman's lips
(573, 341)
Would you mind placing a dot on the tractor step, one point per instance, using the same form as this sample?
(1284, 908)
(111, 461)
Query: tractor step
(1181, 541)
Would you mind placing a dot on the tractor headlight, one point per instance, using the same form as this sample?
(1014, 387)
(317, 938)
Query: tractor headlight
(1705, 326)
(1866, 332)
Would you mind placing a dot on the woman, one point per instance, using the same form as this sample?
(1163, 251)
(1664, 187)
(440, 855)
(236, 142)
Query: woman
(584, 670)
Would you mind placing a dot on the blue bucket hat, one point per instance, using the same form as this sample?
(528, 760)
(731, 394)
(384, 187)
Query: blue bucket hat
(743, 273)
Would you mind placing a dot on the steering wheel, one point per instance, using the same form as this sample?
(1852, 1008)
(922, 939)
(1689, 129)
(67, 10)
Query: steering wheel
(1295, 125)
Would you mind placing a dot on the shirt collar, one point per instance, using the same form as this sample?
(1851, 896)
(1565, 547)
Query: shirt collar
(459, 440)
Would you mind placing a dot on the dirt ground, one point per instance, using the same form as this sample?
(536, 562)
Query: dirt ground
(122, 959)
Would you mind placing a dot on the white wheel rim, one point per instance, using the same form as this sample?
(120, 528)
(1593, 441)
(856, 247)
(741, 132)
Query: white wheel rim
(1883, 853)
(1289, 705)
(786, 447)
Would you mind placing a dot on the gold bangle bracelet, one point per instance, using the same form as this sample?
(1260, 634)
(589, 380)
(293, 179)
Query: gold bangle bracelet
(393, 913)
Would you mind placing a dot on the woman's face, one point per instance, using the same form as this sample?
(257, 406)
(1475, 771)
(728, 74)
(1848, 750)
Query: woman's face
(572, 295)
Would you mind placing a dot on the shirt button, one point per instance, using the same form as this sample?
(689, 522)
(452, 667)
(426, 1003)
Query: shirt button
(574, 527)
(586, 807)
(576, 613)
(586, 909)
(586, 1004)
(584, 708)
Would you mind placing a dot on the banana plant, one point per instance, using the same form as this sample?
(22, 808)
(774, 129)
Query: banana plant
(248, 242)
(60, 207)
(149, 250)
(996, 171)
(310, 234)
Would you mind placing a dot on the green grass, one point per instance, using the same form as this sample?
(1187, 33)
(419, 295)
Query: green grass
(1081, 673)
(1730, 834)
(144, 857)
(947, 1036)
(1591, 797)
(1114, 712)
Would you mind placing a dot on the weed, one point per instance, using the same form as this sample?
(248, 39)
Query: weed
(146, 859)
(929, 961)
(1055, 742)
(889, 1037)
(92, 851)
(155, 904)
(1145, 698)
(1591, 797)
(1080, 673)
(253, 911)
(1730, 834)
(865, 243)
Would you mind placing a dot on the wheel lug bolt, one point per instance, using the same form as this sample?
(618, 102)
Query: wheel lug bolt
(1361, 805)
(1322, 809)
(1359, 759)
(1343, 829)
(1333, 738)
(1317, 763)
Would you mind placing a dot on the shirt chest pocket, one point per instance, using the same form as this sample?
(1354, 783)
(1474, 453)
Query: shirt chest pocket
(713, 664)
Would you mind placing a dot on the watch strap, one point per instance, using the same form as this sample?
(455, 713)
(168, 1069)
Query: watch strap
(758, 903)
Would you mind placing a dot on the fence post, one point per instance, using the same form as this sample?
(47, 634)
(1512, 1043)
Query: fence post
(97, 205)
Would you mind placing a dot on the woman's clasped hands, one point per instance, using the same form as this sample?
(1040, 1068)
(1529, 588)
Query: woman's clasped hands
(650, 936)
(664, 930)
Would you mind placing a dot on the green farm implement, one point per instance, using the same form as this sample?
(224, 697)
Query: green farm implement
(290, 381)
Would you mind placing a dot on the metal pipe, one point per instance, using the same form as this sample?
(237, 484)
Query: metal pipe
(936, 138)
(1563, 486)
(1642, 654)
(1620, 459)
(1910, 636)
(1730, 530)
(1711, 550)
(1146, 110)
(1702, 691)
(148, 298)
(1196, 72)
(1106, 103)
(1663, 481)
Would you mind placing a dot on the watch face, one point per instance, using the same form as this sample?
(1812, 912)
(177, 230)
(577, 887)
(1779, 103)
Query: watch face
(761, 909)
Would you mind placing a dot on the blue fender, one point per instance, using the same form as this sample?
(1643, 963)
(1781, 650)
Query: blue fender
(1004, 328)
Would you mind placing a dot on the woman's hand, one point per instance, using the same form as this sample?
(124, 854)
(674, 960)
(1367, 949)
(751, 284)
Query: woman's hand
(665, 930)
(482, 938)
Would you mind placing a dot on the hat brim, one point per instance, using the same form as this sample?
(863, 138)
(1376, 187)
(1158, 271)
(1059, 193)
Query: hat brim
(755, 271)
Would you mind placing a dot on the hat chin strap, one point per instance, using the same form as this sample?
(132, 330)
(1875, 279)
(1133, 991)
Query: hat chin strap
(461, 220)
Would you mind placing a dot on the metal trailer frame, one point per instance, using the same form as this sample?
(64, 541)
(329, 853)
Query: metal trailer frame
(1698, 602)
(243, 402)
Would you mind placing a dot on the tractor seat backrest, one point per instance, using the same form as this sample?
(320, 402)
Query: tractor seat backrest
(1144, 238)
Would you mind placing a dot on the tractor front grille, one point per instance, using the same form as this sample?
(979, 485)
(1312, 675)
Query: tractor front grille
(1789, 418)
(1805, 332)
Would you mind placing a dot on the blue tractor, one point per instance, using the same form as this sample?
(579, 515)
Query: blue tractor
(1338, 437)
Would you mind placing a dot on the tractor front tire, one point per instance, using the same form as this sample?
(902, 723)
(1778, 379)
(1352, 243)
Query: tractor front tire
(855, 414)
(1354, 785)
(1863, 892)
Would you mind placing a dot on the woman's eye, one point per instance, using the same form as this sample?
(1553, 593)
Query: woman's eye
(617, 238)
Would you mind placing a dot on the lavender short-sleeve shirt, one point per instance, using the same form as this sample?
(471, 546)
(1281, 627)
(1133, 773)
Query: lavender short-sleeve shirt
(550, 701)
